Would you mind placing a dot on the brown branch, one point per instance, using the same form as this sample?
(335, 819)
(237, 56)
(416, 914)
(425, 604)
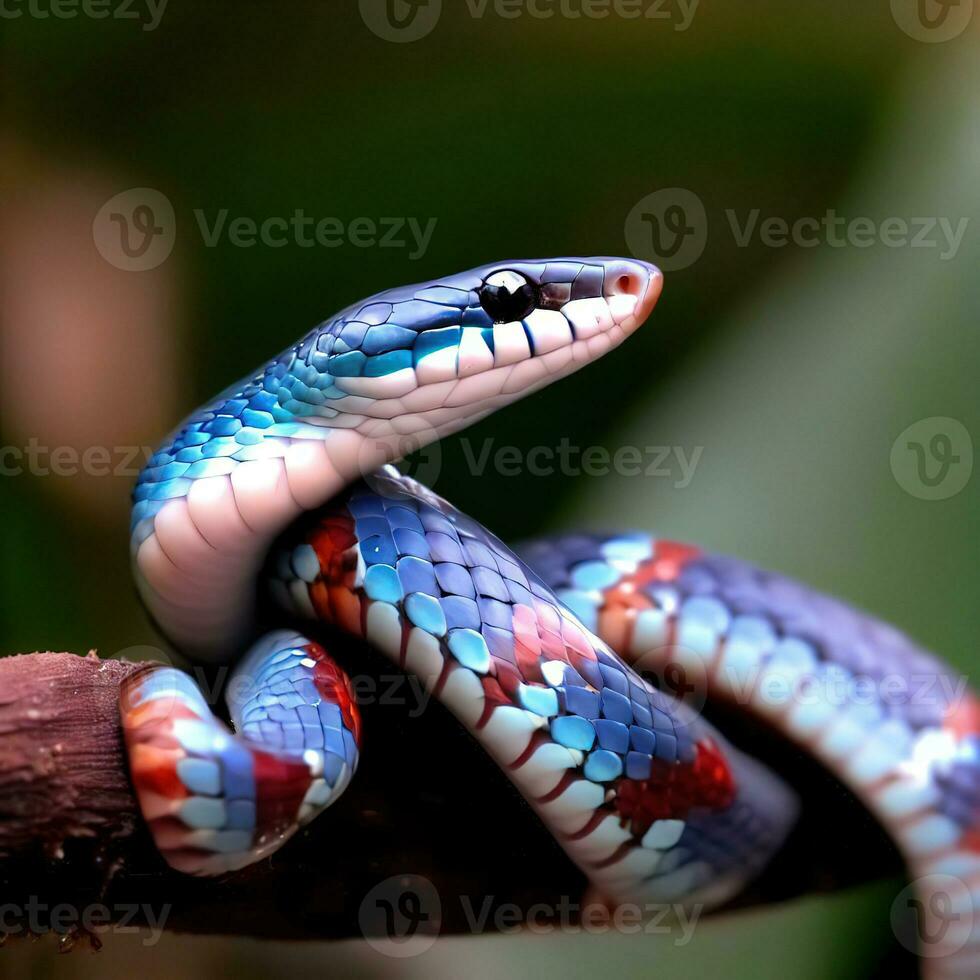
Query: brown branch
(71, 833)
(427, 802)
(62, 774)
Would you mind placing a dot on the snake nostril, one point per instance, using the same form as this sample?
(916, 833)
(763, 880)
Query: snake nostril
(628, 278)
(630, 283)
(632, 289)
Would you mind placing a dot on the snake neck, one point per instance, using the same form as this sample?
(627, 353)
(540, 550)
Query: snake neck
(373, 383)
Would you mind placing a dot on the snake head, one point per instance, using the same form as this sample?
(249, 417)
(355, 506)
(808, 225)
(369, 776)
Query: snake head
(448, 350)
(370, 385)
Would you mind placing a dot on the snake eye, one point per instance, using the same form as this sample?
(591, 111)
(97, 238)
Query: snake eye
(508, 296)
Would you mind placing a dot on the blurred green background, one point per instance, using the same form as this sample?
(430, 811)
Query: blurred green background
(790, 370)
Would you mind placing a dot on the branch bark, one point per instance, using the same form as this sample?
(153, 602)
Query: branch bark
(71, 833)
(427, 804)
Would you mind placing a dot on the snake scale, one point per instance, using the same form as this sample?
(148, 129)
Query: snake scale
(282, 487)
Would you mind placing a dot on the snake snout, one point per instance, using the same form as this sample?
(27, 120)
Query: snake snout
(632, 289)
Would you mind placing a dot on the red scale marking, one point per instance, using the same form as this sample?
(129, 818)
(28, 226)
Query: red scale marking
(666, 564)
(334, 542)
(494, 696)
(589, 825)
(508, 677)
(672, 790)
(552, 647)
(280, 786)
(568, 777)
(157, 775)
(528, 662)
(963, 717)
(334, 686)
(622, 601)
(549, 622)
(576, 639)
(536, 740)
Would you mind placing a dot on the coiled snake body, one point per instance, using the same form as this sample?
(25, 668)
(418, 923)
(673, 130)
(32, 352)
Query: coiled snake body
(539, 657)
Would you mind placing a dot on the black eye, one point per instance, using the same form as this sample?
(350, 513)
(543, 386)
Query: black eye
(508, 296)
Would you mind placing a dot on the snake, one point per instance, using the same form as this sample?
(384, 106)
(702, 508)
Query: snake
(281, 493)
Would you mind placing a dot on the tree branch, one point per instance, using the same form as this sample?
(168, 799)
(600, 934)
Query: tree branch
(427, 802)
(71, 833)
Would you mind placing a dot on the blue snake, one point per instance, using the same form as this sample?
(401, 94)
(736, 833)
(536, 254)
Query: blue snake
(282, 488)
